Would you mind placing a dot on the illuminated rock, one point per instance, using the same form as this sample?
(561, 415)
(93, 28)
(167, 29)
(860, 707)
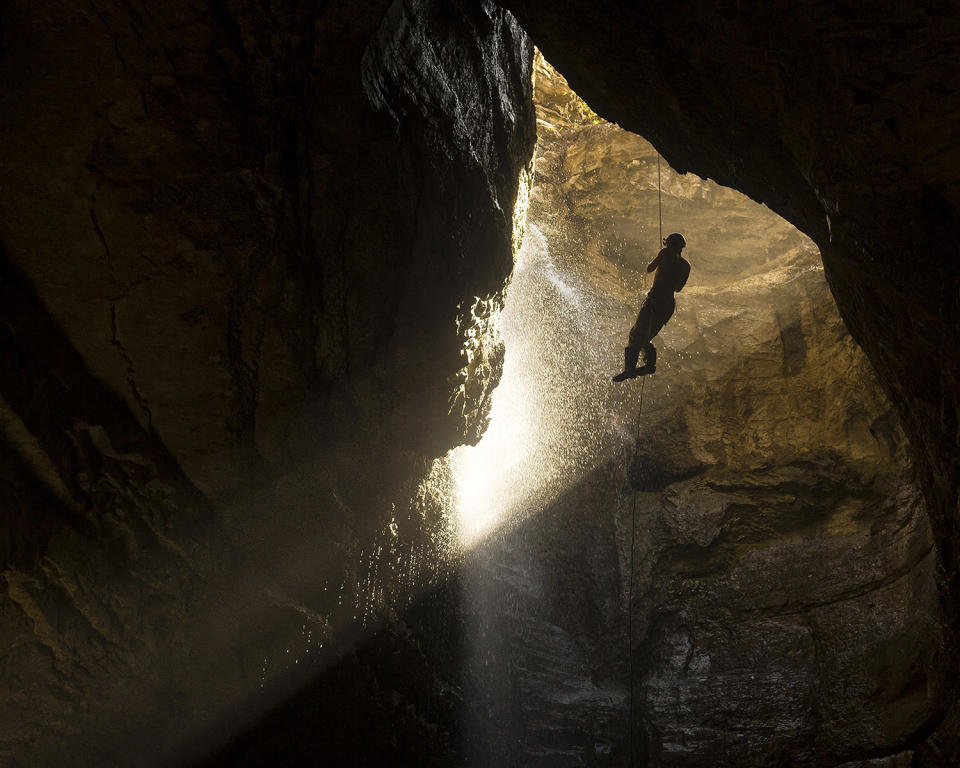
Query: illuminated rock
(784, 595)
(237, 240)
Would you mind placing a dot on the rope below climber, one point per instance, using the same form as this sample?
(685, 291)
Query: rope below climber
(657, 308)
(672, 271)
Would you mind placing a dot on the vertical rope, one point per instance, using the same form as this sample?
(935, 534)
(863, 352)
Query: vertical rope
(633, 514)
(633, 537)
(659, 201)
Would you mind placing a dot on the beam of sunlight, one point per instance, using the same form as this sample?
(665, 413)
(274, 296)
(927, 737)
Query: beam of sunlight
(543, 408)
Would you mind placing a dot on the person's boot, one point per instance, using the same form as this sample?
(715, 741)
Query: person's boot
(630, 357)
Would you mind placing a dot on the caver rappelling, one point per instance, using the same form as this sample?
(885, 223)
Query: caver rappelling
(672, 271)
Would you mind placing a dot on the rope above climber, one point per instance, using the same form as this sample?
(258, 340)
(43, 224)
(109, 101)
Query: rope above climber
(672, 271)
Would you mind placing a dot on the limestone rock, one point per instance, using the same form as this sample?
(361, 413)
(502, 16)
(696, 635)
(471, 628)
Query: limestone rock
(784, 594)
(235, 240)
(835, 117)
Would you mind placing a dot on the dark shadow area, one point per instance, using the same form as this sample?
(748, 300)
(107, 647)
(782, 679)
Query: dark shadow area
(64, 470)
(394, 700)
(446, 683)
(647, 474)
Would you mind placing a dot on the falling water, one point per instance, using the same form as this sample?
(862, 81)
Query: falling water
(548, 414)
(540, 504)
(550, 425)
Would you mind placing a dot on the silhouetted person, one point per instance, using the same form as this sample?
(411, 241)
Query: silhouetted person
(672, 273)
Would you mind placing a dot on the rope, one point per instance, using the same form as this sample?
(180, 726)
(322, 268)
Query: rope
(633, 536)
(659, 201)
(633, 514)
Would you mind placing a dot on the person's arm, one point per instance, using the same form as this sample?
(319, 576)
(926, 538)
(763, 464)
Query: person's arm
(656, 262)
(684, 274)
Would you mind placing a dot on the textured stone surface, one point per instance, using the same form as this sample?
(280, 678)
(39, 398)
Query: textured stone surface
(837, 117)
(239, 242)
(236, 241)
(785, 604)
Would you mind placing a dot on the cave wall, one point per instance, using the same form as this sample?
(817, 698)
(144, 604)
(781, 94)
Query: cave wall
(234, 179)
(222, 229)
(239, 243)
(837, 116)
(783, 600)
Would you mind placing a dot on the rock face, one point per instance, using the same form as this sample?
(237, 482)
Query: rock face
(239, 249)
(833, 117)
(242, 246)
(783, 606)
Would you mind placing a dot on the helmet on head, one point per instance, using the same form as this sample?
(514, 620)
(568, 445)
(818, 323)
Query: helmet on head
(676, 240)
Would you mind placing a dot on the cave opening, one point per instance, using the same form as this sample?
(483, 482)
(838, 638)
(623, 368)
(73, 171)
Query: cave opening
(593, 222)
(768, 469)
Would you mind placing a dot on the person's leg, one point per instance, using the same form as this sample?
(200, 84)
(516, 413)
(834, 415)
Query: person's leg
(640, 336)
(649, 355)
(655, 314)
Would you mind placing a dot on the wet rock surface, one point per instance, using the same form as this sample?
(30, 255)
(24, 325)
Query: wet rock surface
(240, 249)
(832, 115)
(784, 593)
(239, 246)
